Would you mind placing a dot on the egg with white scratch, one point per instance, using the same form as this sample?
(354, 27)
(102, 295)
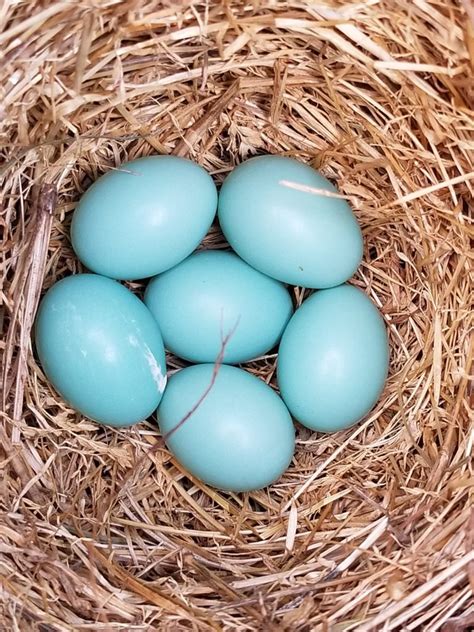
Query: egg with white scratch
(101, 349)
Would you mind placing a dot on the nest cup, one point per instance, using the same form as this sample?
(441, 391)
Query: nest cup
(370, 528)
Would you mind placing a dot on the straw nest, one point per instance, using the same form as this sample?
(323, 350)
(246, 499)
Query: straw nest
(370, 529)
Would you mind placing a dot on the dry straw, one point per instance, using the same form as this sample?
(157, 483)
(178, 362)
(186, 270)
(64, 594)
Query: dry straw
(370, 529)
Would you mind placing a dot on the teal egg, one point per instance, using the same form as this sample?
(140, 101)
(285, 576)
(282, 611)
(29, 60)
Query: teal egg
(101, 349)
(213, 293)
(333, 359)
(239, 438)
(295, 236)
(144, 217)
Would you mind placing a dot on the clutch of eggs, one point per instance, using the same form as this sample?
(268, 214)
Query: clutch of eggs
(103, 349)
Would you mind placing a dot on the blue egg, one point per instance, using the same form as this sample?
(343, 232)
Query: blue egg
(239, 438)
(143, 218)
(101, 349)
(295, 236)
(213, 294)
(333, 359)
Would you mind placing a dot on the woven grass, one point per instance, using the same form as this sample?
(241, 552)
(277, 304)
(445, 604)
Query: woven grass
(369, 529)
